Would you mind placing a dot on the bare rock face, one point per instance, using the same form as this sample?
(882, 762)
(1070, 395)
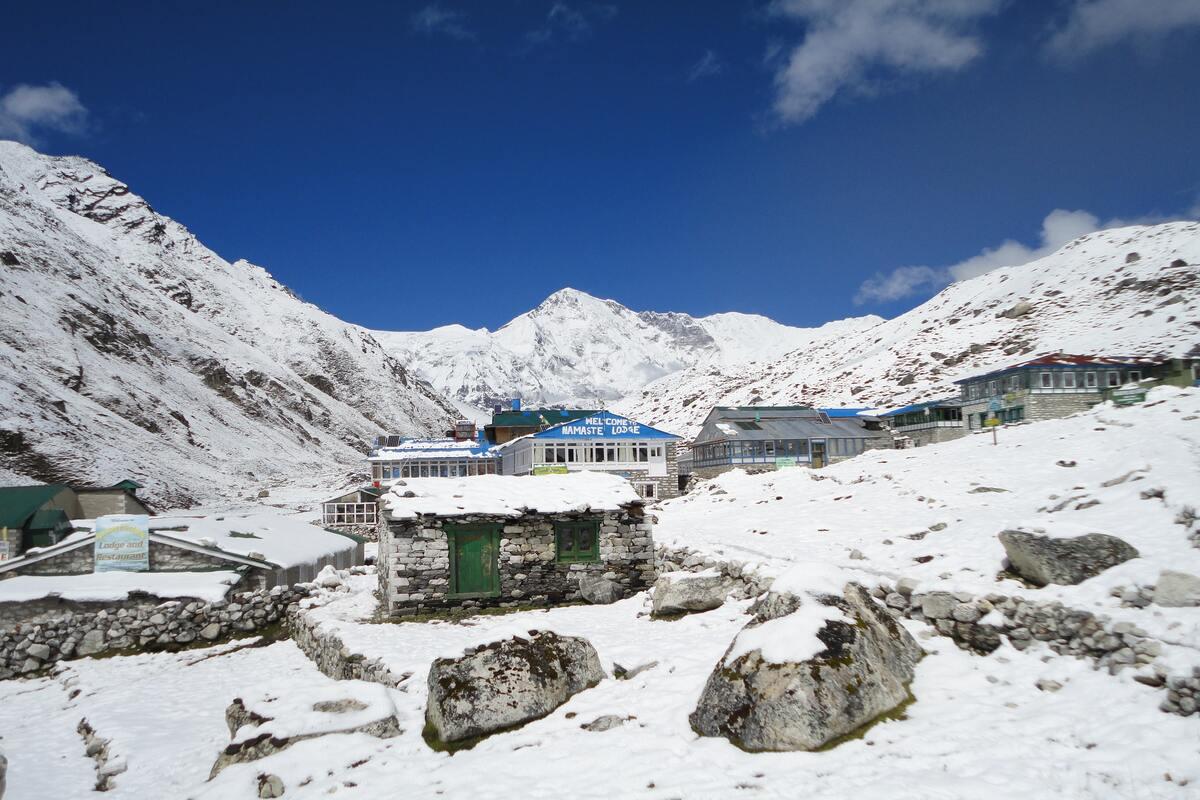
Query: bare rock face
(862, 672)
(688, 592)
(1019, 309)
(507, 683)
(1042, 560)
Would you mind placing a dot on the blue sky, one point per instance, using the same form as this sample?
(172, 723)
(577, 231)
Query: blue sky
(406, 165)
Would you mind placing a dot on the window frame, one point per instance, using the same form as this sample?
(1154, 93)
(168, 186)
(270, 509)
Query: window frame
(570, 530)
(1090, 381)
(1046, 381)
(1068, 380)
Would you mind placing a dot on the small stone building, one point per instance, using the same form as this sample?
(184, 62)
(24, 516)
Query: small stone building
(40, 516)
(508, 540)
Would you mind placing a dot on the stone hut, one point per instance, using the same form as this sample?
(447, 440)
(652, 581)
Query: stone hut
(500, 540)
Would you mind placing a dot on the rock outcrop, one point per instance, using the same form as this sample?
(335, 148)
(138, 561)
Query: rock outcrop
(1042, 560)
(507, 683)
(598, 591)
(1177, 589)
(862, 672)
(688, 592)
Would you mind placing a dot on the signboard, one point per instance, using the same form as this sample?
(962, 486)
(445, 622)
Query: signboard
(1129, 396)
(122, 543)
(604, 425)
(991, 423)
(551, 469)
(782, 462)
(994, 404)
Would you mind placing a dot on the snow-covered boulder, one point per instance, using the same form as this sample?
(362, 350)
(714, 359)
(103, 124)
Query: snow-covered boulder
(834, 662)
(687, 592)
(507, 683)
(1068, 561)
(263, 725)
(598, 591)
(1177, 589)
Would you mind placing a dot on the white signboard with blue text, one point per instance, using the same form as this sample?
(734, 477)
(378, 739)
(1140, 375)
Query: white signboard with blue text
(122, 543)
(603, 426)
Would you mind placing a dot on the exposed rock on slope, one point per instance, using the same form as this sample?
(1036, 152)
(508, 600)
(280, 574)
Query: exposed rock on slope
(131, 350)
(1088, 297)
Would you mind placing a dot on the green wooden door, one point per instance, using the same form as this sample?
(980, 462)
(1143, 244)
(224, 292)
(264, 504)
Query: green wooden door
(474, 556)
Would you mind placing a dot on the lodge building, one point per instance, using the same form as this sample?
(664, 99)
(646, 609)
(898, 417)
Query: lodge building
(1061, 384)
(919, 424)
(763, 438)
(600, 442)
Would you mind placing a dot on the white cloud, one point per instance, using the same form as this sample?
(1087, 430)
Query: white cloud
(27, 110)
(1058, 228)
(433, 20)
(848, 43)
(709, 64)
(1093, 24)
(570, 23)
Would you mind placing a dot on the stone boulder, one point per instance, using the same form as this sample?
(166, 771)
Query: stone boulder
(1177, 589)
(263, 725)
(507, 683)
(599, 591)
(860, 670)
(688, 592)
(1068, 561)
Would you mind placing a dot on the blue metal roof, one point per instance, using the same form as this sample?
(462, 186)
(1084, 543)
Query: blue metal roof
(948, 401)
(842, 412)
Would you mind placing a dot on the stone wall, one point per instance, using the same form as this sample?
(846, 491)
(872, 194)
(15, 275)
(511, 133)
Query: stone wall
(414, 560)
(981, 623)
(333, 658)
(163, 558)
(57, 629)
(933, 435)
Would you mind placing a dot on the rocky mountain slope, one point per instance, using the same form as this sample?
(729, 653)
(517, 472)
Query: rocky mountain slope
(131, 350)
(1132, 290)
(578, 349)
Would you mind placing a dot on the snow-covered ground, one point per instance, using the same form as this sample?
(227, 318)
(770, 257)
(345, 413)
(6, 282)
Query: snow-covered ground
(979, 727)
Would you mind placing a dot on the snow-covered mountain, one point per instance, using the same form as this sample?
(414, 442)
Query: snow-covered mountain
(129, 349)
(1132, 290)
(578, 349)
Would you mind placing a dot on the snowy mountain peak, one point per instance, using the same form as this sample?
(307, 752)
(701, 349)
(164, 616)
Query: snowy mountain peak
(574, 348)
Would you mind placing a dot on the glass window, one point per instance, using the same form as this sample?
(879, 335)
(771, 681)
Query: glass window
(577, 542)
(1089, 380)
(993, 388)
(1014, 383)
(1068, 380)
(1114, 379)
(1047, 380)
(1134, 375)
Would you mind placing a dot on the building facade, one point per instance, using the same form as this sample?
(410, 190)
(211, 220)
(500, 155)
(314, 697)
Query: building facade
(508, 541)
(1061, 384)
(764, 438)
(396, 458)
(601, 442)
(356, 509)
(518, 422)
(920, 424)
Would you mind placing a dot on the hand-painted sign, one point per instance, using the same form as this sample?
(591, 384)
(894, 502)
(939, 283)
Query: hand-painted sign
(122, 543)
(782, 462)
(553, 469)
(991, 423)
(1128, 396)
(994, 404)
(603, 426)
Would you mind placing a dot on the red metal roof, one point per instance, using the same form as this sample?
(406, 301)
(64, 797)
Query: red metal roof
(1073, 360)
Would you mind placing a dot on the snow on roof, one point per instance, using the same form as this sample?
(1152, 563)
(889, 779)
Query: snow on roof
(264, 536)
(1071, 360)
(508, 495)
(432, 448)
(112, 586)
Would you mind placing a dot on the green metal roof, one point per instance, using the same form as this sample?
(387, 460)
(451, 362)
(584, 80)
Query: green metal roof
(19, 503)
(536, 417)
(49, 519)
(128, 484)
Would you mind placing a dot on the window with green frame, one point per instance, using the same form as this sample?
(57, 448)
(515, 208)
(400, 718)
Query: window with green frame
(577, 542)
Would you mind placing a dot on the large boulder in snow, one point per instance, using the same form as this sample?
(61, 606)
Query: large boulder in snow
(1177, 589)
(807, 670)
(1068, 561)
(507, 683)
(686, 592)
